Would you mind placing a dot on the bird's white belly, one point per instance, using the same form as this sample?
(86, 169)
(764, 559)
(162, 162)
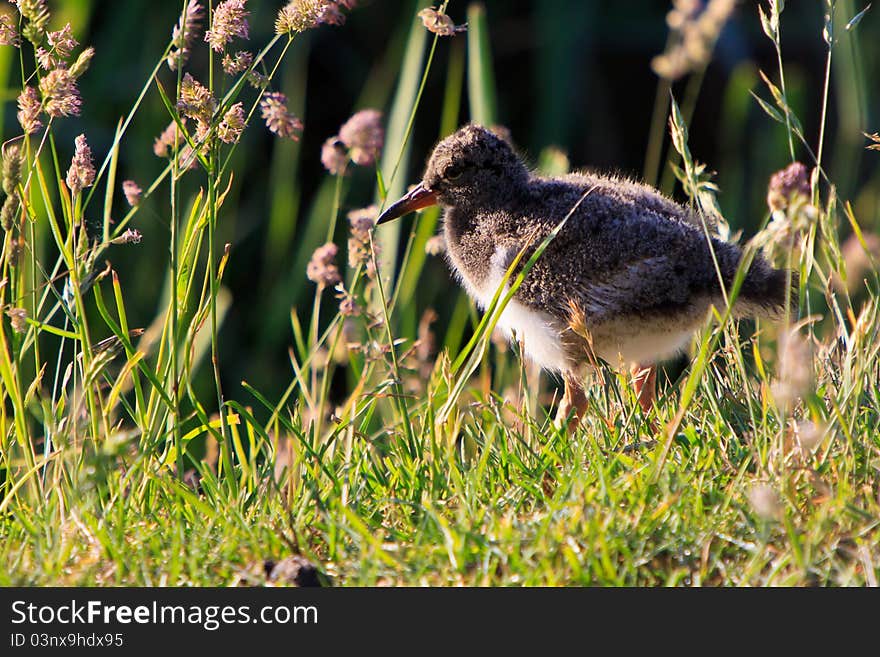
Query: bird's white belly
(617, 342)
(642, 345)
(535, 329)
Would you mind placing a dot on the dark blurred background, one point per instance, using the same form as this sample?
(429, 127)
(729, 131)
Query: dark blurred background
(571, 73)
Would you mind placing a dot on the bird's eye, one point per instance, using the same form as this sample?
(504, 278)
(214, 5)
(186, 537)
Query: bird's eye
(453, 173)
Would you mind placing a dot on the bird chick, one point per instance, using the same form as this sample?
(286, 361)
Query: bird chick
(628, 279)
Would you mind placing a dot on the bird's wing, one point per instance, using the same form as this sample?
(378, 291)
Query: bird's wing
(650, 285)
(634, 193)
(614, 261)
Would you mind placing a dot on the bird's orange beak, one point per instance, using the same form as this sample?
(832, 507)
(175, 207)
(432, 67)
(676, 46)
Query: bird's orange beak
(417, 198)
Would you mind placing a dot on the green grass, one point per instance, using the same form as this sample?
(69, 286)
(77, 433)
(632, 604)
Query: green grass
(402, 451)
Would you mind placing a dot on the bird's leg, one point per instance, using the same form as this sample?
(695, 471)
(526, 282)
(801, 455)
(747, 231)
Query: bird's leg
(645, 382)
(574, 398)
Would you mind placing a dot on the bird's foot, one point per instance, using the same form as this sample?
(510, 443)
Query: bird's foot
(645, 383)
(572, 406)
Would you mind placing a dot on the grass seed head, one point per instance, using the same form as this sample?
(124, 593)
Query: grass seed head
(859, 260)
(229, 21)
(358, 252)
(63, 41)
(8, 33)
(795, 375)
(237, 63)
(166, 143)
(788, 197)
(362, 223)
(257, 80)
(37, 15)
(132, 192)
(364, 135)
(11, 181)
(9, 211)
(61, 45)
(82, 62)
(348, 307)
(694, 34)
(765, 502)
(60, 93)
(184, 35)
(322, 268)
(809, 435)
(273, 108)
(11, 168)
(787, 186)
(230, 128)
(334, 155)
(302, 15)
(196, 101)
(18, 319)
(81, 173)
(130, 236)
(439, 23)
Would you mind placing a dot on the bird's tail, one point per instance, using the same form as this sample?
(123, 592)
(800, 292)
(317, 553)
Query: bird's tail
(767, 291)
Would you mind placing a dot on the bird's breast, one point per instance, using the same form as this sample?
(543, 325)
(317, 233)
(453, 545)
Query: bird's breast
(539, 332)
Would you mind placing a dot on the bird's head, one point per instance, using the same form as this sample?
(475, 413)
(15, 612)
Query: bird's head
(471, 168)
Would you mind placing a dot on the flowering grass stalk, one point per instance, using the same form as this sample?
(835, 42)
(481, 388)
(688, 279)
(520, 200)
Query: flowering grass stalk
(78, 254)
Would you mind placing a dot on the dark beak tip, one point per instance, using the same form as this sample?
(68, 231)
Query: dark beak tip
(387, 215)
